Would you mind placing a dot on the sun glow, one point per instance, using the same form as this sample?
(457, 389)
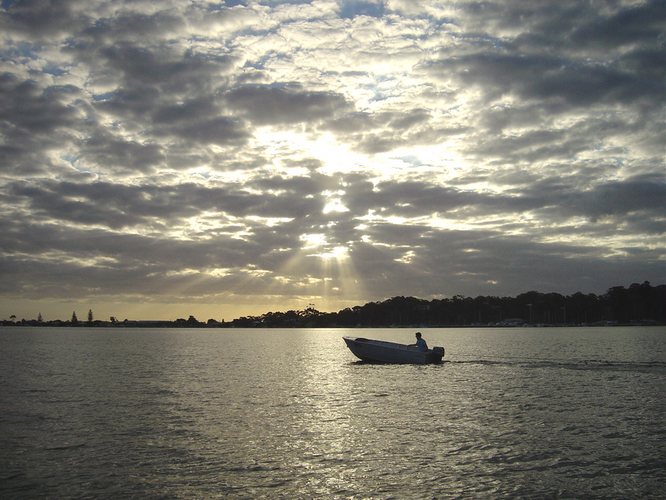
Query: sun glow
(323, 250)
(337, 253)
(313, 240)
(332, 156)
(334, 205)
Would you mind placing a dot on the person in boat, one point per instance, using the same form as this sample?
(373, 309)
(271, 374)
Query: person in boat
(420, 344)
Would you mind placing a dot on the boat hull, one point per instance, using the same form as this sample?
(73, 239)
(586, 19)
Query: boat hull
(379, 351)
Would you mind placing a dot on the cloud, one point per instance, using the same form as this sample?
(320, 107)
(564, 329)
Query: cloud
(285, 153)
(269, 104)
(626, 26)
(117, 205)
(166, 69)
(641, 194)
(33, 121)
(220, 130)
(43, 18)
(136, 26)
(110, 151)
(573, 83)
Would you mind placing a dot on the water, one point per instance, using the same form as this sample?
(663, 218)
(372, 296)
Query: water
(291, 413)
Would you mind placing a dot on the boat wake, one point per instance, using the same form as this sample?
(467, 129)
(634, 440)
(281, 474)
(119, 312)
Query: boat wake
(585, 364)
(63, 447)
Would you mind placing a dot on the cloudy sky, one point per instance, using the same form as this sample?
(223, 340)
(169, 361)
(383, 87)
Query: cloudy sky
(161, 159)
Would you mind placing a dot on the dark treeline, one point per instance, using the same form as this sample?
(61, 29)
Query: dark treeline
(639, 304)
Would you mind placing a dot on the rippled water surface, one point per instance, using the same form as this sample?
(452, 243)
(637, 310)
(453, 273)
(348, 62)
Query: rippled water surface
(291, 413)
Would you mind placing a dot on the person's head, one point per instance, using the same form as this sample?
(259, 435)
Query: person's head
(418, 335)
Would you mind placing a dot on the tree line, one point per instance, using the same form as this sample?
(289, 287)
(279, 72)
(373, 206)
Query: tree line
(639, 304)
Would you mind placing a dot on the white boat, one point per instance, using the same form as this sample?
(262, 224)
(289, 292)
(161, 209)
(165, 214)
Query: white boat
(380, 351)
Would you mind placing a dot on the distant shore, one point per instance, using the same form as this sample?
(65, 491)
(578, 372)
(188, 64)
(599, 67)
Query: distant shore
(638, 305)
(230, 325)
(193, 323)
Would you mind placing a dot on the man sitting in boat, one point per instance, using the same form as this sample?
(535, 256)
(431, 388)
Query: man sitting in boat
(420, 343)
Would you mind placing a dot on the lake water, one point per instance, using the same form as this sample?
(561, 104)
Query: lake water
(291, 413)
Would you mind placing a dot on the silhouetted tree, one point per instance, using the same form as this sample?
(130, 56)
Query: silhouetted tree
(75, 320)
(90, 316)
(640, 303)
(617, 303)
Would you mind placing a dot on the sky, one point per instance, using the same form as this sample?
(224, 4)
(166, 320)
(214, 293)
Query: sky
(222, 159)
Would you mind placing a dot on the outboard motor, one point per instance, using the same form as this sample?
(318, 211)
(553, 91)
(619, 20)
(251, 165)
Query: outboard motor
(438, 351)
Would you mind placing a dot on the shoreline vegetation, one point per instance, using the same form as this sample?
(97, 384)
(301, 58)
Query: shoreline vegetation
(637, 305)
